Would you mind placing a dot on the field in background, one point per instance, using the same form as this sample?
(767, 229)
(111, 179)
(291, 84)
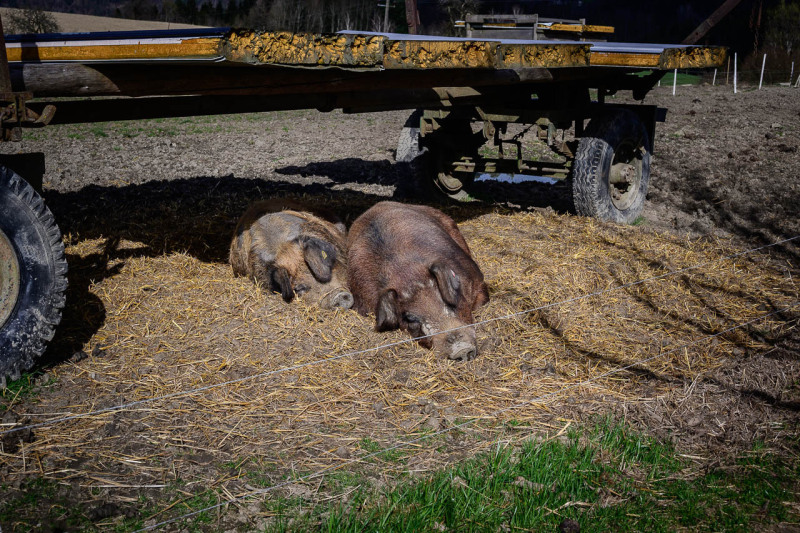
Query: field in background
(72, 23)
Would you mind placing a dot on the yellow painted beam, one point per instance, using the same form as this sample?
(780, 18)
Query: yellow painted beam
(578, 28)
(624, 59)
(668, 59)
(593, 28)
(186, 49)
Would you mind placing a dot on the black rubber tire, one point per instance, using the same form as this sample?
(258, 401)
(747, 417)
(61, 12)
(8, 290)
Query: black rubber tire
(408, 148)
(30, 227)
(618, 139)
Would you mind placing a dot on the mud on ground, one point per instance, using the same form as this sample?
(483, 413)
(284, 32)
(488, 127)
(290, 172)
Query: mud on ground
(147, 210)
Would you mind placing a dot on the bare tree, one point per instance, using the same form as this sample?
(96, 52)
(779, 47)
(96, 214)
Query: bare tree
(783, 27)
(347, 21)
(259, 16)
(31, 21)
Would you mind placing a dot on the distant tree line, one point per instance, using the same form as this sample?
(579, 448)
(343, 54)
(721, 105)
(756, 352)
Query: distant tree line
(31, 21)
(289, 15)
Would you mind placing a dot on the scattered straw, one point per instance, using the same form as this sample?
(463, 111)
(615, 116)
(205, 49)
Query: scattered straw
(173, 322)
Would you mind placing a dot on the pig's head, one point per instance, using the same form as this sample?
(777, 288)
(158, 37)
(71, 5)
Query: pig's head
(442, 300)
(315, 269)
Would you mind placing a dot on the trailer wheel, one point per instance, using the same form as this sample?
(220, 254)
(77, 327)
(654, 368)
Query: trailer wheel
(33, 275)
(437, 156)
(611, 171)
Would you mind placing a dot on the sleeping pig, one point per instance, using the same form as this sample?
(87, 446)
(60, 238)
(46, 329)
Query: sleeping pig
(290, 250)
(411, 266)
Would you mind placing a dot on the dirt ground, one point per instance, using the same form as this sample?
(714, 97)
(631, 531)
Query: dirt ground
(155, 320)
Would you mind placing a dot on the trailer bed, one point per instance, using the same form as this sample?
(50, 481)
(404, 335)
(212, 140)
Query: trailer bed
(382, 70)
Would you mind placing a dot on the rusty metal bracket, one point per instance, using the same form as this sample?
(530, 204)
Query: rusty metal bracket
(15, 114)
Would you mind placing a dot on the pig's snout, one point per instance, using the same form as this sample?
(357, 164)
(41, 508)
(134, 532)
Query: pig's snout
(341, 299)
(463, 351)
(461, 345)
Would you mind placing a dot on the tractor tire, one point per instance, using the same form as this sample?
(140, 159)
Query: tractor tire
(611, 171)
(33, 276)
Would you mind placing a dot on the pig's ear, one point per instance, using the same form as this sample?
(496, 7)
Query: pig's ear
(448, 282)
(386, 313)
(320, 257)
(483, 295)
(282, 282)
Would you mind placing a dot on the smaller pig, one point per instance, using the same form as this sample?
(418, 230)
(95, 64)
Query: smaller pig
(410, 265)
(293, 251)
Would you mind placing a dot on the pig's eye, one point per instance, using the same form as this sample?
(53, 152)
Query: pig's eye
(411, 319)
(301, 289)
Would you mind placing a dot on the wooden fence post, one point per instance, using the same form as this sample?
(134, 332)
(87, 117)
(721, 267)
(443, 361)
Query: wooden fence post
(728, 71)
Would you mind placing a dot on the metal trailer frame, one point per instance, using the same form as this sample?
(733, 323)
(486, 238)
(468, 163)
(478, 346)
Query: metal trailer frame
(450, 84)
(531, 27)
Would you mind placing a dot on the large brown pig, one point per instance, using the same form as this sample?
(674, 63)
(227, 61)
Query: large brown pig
(411, 266)
(290, 250)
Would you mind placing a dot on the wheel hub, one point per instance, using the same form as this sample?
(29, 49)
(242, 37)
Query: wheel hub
(9, 278)
(625, 176)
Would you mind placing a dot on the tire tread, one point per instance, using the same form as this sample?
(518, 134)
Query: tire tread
(21, 352)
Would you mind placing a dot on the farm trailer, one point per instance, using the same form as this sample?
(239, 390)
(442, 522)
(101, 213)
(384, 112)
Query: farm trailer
(450, 84)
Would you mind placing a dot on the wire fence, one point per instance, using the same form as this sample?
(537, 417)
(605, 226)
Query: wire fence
(734, 76)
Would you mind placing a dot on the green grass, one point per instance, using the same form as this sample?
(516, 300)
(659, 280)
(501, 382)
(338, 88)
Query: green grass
(36, 494)
(605, 476)
(683, 79)
(99, 131)
(23, 388)
(396, 455)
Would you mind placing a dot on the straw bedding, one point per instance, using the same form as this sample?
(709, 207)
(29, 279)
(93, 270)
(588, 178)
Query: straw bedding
(174, 323)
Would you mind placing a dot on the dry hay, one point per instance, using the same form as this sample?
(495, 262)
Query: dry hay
(175, 323)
